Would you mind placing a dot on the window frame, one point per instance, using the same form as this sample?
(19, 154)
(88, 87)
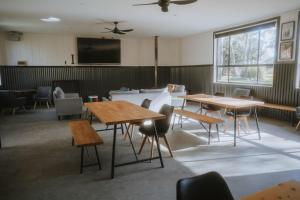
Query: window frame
(244, 29)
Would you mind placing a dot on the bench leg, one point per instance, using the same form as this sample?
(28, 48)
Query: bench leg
(81, 161)
(72, 141)
(97, 155)
(217, 127)
(209, 132)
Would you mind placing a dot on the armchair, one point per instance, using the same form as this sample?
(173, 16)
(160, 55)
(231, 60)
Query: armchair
(66, 103)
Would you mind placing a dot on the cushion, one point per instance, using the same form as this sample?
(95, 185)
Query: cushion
(152, 90)
(123, 92)
(179, 88)
(59, 93)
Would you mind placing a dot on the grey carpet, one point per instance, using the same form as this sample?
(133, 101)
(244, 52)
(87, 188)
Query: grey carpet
(38, 162)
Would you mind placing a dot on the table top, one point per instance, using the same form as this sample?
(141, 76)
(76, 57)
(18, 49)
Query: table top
(279, 107)
(226, 102)
(118, 112)
(289, 190)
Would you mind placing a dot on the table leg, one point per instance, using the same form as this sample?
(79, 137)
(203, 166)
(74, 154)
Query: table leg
(129, 136)
(257, 125)
(0, 143)
(234, 113)
(158, 146)
(112, 172)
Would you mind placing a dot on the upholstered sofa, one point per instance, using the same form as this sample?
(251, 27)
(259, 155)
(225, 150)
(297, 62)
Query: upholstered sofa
(66, 103)
(158, 96)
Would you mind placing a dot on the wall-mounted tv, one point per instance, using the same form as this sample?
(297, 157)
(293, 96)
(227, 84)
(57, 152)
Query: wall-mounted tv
(98, 51)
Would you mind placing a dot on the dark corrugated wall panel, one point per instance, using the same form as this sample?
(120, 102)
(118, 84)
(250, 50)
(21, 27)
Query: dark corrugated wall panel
(93, 80)
(197, 79)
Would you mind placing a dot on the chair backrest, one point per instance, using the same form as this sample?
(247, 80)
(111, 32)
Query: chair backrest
(209, 186)
(298, 112)
(163, 125)
(219, 94)
(58, 93)
(43, 91)
(146, 103)
(241, 92)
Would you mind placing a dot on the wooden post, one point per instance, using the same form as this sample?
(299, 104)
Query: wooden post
(156, 60)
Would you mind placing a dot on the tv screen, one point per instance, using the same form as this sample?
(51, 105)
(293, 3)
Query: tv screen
(94, 50)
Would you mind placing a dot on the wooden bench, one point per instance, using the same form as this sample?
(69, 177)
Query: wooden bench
(84, 135)
(201, 118)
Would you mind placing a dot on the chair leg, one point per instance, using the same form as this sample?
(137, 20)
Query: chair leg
(34, 106)
(167, 143)
(173, 121)
(47, 104)
(143, 143)
(297, 127)
(13, 111)
(246, 122)
(131, 134)
(127, 132)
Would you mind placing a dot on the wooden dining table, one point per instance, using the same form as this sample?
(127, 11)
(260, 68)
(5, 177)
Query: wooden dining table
(289, 190)
(233, 104)
(122, 112)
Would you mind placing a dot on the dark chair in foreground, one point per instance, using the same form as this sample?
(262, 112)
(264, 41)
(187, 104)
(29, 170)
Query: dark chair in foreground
(209, 186)
(145, 104)
(9, 100)
(43, 95)
(162, 127)
(298, 117)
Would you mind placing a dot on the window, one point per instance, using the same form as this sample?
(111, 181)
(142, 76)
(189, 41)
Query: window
(246, 55)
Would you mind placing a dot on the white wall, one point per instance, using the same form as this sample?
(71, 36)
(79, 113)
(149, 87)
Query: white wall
(47, 49)
(198, 49)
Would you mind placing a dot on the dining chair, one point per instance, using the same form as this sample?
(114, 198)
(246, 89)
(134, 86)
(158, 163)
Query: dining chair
(209, 109)
(43, 95)
(298, 117)
(162, 127)
(145, 104)
(209, 186)
(241, 115)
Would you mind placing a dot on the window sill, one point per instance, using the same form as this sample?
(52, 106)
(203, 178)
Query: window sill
(243, 84)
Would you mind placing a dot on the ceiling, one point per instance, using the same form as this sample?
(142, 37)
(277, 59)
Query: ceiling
(89, 17)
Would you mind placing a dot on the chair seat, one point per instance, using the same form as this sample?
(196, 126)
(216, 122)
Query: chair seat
(239, 113)
(150, 131)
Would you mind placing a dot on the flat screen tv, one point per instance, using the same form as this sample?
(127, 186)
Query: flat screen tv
(98, 51)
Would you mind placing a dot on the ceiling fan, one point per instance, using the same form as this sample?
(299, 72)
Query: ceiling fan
(116, 30)
(164, 4)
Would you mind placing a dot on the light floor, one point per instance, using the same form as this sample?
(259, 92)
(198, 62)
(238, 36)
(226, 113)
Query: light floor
(38, 162)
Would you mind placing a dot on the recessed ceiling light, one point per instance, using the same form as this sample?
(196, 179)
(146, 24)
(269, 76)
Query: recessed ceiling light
(51, 19)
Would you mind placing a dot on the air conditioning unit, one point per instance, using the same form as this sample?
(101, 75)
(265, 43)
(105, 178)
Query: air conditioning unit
(14, 35)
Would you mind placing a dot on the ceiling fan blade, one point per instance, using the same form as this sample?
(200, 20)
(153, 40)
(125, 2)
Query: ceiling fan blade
(108, 29)
(106, 32)
(145, 4)
(119, 32)
(127, 30)
(183, 2)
